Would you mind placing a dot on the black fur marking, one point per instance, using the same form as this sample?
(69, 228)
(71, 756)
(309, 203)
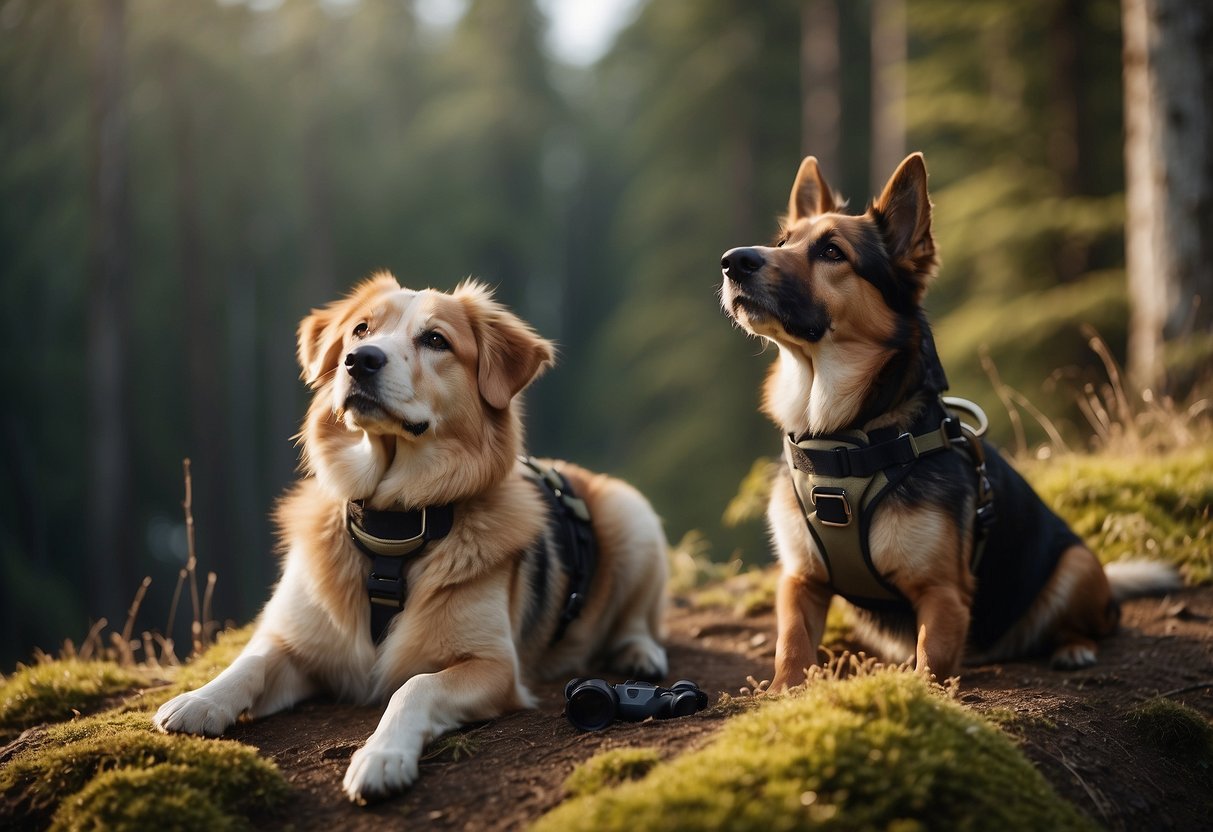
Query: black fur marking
(799, 313)
(913, 368)
(872, 264)
(540, 555)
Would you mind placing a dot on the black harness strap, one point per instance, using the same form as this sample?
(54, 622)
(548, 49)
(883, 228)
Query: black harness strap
(864, 462)
(391, 539)
(578, 549)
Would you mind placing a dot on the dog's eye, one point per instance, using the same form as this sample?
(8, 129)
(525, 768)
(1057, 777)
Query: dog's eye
(434, 341)
(362, 329)
(779, 243)
(833, 252)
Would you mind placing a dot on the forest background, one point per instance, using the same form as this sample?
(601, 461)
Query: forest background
(180, 182)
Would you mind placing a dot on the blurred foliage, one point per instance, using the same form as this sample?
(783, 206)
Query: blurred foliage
(280, 151)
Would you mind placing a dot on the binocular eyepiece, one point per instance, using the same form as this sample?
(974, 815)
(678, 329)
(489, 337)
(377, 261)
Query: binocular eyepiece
(593, 704)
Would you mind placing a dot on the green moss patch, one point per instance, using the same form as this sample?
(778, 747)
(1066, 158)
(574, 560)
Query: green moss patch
(70, 761)
(56, 691)
(112, 770)
(165, 797)
(883, 751)
(1176, 729)
(610, 768)
(1154, 507)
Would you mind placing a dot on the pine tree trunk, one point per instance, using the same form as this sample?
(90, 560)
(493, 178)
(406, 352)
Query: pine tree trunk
(888, 90)
(108, 554)
(1168, 71)
(820, 85)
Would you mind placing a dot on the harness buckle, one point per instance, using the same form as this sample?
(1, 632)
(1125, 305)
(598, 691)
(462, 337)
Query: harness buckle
(385, 591)
(833, 508)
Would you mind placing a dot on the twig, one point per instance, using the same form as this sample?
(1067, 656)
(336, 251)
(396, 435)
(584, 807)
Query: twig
(1100, 803)
(1041, 419)
(987, 364)
(172, 608)
(206, 607)
(92, 639)
(1187, 688)
(132, 612)
(191, 562)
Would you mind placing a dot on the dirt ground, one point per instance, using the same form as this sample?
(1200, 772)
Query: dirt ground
(505, 773)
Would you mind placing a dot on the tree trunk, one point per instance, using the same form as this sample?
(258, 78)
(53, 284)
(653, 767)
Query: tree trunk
(1168, 82)
(888, 90)
(110, 560)
(820, 85)
(204, 346)
(1065, 119)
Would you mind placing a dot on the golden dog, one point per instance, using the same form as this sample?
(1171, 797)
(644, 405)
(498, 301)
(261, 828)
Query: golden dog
(415, 405)
(886, 498)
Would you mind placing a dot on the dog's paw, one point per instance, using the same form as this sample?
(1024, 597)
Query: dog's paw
(378, 772)
(1073, 656)
(193, 713)
(640, 658)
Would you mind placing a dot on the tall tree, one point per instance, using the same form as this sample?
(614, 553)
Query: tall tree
(110, 561)
(889, 38)
(820, 83)
(1168, 84)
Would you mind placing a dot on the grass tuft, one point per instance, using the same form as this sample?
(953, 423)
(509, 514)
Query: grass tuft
(611, 768)
(54, 691)
(877, 751)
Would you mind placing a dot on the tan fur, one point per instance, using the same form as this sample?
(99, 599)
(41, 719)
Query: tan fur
(819, 383)
(459, 651)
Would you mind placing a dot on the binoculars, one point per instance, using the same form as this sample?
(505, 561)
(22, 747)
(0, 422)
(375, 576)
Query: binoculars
(593, 704)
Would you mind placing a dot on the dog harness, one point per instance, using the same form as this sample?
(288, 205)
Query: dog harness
(394, 539)
(575, 538)
(840, 478)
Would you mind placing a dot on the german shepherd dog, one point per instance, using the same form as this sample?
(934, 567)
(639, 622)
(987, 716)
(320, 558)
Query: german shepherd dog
(415, 419)
(841, 297)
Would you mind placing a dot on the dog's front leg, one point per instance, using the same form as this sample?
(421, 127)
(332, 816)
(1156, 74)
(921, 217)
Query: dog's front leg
(424, 707)
(943, 626)
(262, 680)
(800, 610)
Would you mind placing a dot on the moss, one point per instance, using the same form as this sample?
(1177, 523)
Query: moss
(1176, 729)
(41, 777)
(610, 768)
(876, 752)
(113, 770)
(54, 691)
(1157, 507)
(163, 797)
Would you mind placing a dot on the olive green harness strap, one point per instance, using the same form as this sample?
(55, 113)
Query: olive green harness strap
(840, 478)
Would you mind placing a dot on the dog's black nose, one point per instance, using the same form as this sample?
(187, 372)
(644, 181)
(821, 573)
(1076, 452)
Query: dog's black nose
(740, 264)
(365, 361)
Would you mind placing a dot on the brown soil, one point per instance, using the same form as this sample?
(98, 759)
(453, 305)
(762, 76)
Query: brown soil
(1072, 725)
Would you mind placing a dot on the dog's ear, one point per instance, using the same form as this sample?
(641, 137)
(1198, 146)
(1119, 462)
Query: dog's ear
(903, 211)
(811, 194)
(511, 354)
(322, 333)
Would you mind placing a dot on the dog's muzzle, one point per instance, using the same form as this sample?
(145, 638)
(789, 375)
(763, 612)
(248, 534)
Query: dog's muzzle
(741, 264)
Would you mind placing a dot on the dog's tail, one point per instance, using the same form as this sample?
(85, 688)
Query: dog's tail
(1133, 578)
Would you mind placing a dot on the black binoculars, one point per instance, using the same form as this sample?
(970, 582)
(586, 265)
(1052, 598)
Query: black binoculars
(593, 704)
